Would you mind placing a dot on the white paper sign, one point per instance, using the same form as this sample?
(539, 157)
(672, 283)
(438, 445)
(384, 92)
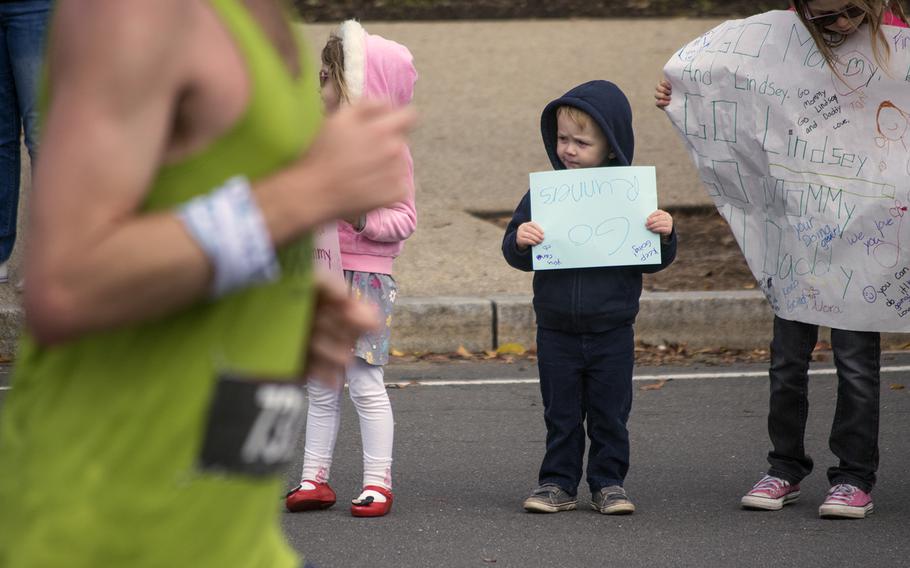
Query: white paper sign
(810, 168)
(594, 217)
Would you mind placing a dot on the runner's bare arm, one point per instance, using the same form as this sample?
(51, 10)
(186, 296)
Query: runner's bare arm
(93, 261)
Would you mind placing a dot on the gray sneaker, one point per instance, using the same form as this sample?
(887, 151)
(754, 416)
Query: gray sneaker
(612, 500)
(549, 498)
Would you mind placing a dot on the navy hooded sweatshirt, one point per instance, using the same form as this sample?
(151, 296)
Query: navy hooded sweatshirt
(586, 300)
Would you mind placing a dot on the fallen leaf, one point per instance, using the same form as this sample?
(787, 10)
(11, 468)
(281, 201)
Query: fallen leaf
(654, 386)
(396, 353)
(464, 353)
(897, 386)
(511, 349)
(490, 354)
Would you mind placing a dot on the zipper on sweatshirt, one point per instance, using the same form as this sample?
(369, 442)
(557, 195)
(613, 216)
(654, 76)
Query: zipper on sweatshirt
(576, 301)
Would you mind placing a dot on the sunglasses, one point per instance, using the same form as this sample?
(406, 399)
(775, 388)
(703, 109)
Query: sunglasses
(824, 20)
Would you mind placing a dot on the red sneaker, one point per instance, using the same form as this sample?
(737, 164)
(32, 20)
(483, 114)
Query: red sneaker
(368, 505)
(310, 496)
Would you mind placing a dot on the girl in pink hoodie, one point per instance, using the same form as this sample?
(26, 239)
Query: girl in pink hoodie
(358, 65)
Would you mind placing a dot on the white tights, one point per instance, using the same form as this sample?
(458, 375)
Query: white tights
(377, 426)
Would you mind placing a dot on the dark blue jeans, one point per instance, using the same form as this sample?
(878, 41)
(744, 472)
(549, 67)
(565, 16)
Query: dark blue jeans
(22, 31)
(854, 433)
(586, 377)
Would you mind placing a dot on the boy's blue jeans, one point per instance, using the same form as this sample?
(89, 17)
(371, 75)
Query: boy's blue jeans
(854, 433)
(586, 377)
(22, 31)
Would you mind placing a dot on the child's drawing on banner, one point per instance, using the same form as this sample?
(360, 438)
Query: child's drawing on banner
(809, 165)
(893, 123)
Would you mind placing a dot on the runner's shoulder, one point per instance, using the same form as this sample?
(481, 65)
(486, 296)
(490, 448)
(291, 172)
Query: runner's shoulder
(122, 38)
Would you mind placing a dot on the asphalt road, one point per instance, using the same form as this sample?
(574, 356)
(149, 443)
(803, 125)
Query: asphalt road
(467, 452)
(467, 455)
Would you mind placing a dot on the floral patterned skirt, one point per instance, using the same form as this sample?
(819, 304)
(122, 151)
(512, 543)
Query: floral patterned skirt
(381, 291)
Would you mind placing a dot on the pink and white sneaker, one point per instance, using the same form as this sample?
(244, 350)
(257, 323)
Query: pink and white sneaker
(770, 494)
(845, 501)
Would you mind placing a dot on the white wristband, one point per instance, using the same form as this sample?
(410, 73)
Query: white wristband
(228, 225)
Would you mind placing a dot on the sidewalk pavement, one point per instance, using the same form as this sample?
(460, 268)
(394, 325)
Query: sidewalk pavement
(732, 319)
(482, 87)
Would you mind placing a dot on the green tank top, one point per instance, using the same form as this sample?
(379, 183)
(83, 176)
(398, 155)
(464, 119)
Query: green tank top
(100, 439)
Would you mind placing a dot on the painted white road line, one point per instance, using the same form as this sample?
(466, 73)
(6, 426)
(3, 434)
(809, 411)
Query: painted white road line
(650, 377)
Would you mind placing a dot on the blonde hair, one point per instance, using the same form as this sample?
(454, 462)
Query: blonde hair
(874, 10)
(582, 119)
(586, 122)
(333, 60)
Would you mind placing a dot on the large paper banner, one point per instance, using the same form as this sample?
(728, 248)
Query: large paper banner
(594, 217)
(808, 166)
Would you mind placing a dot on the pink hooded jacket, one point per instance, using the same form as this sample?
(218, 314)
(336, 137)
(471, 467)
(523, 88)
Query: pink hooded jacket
(378, 69)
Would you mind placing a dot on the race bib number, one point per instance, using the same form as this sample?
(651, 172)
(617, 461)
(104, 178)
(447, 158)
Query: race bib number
(253, 426)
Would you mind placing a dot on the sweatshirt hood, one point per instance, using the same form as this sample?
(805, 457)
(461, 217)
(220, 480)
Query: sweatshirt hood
(376, 68)
(609, 108)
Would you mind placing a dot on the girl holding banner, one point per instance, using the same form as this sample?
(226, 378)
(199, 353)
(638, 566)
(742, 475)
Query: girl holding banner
(854, 433)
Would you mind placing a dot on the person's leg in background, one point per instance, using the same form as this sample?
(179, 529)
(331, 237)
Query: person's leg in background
(788, 409)
(377, 431)
(854, 433)
(791, 352)
(23, 26)
(608, 400)
(10, 129)
(323, 420)
(377, 425)
(561, 365)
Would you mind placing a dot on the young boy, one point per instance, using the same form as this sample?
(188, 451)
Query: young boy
(585, 343)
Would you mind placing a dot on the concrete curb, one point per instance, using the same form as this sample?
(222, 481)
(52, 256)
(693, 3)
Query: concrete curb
(738, 319)
(12, 319)
(735, 319)
(441, 325)
(731, 319)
